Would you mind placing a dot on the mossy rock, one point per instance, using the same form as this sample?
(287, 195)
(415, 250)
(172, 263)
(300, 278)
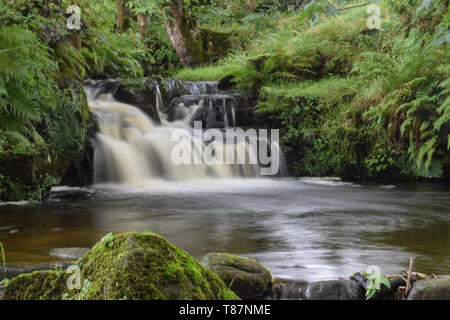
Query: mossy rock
(127, 266)
(431, 289)
(38, 285)
(245, 276)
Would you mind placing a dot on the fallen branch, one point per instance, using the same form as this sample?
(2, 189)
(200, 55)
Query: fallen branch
(408, 280)
(423, 276)
(358, 6)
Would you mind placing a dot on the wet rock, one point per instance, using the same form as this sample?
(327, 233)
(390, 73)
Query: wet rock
(431, 289)
(69, 253)
(332, 290)
(28, 176)
(385, 293)
(81, 169)
(245, 276)
(141, 93)
(215, 110)
(142, 266)
(287, 289)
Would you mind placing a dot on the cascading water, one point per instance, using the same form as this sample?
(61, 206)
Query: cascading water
(133, 149)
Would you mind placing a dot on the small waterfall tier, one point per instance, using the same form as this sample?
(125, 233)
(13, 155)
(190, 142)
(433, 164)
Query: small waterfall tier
(160, 129)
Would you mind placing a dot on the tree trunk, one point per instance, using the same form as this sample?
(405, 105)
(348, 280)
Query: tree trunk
(250, 6)
(123, 16)
(185, 38)
(143, 21)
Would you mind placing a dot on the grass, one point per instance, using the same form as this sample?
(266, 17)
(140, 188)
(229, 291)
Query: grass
(208, 73)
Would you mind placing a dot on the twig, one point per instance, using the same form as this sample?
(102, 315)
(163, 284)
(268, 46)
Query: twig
(408, 284)
(422, 275)
(358, 6)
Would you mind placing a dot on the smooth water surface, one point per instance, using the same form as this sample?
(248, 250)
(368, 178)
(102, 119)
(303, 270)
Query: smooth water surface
(304, 229)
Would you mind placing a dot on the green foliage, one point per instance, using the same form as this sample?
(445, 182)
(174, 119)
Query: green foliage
(2, 250)
(24, 86)
(209, 73)
(66, 125)
(16, 190)
(108, 240)
(112, 56)
(350, 101)
(404, 86)
(374, 282)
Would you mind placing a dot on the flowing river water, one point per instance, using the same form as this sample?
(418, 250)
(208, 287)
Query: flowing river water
(303, 229)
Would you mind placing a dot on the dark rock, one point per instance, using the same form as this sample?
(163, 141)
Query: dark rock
(245, 276)
(29, 176)
(81, 169)
(431, 289)
(226, 83)
(287, 289)
(332, 290)
(141, 93)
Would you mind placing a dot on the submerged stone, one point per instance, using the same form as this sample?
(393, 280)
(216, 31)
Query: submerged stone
(245, 276)
(126, 266)
(68, 253)
(431, 289)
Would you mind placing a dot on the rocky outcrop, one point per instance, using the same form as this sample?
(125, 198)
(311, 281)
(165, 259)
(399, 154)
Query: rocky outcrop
(220, 106)
(431, 289)
(245, 276)
(142, 266)
(28, 171)
(29, 175)
(141, 93)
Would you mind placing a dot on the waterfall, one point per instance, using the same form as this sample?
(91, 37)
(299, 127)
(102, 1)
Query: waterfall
(133, 149)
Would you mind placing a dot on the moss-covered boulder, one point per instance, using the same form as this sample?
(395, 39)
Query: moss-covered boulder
(126, 266)
(245, 276)
(431, 289)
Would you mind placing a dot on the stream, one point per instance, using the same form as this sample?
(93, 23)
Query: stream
(305, 229)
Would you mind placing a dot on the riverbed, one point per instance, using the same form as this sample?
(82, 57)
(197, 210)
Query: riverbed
(304, 229)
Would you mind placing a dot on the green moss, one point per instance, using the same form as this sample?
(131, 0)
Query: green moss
(245, 276)
(40, 285)
(135, 266)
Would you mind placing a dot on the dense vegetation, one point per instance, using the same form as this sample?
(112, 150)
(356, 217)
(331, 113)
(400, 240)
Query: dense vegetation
(350, 101)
